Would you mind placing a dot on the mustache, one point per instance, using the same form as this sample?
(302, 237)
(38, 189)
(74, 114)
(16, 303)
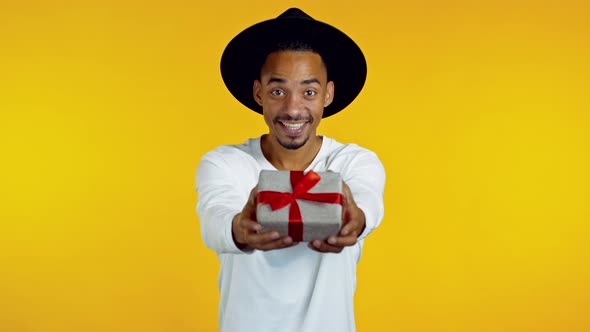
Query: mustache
(286, 118)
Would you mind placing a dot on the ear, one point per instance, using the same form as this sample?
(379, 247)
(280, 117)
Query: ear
(329, 94)
(257, 92)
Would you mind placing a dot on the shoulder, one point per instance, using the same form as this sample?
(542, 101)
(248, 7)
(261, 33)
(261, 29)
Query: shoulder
(232, 154)
(348, 152)
(227, 163)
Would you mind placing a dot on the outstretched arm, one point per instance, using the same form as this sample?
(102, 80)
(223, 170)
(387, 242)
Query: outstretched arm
(364, 181)
(353, 224)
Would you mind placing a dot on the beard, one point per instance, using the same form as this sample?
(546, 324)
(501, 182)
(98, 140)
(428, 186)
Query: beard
(293, 145)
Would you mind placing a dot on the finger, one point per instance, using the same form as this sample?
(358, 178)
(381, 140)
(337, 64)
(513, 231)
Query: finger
(324, 247)
(342, 241)
(354, 221)
(243, 228)
(346, 194)
(249, 210)
(257, 239)
(253, 195)
(280, 243)
(350, 226)
(266, 238)
(250, 225)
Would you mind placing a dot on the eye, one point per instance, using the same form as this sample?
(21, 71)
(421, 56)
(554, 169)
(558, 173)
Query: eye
(277, 92)
(310, 93)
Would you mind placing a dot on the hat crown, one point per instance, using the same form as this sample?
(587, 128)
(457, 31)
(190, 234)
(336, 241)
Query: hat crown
(295, 13)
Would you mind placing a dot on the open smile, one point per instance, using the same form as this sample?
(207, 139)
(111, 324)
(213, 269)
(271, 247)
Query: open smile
(292, 128)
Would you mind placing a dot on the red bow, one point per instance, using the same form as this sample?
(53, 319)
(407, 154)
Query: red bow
(301, 184)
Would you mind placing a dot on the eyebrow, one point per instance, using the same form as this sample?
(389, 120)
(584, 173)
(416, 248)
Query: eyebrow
(281, 80)
(276, 80)
(311, 80)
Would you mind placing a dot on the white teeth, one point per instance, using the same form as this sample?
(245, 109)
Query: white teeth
(293, 126)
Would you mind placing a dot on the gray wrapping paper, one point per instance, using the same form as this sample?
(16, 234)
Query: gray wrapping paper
(320, 220)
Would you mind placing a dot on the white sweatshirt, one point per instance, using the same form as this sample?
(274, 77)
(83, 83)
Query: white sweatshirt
(292, 289)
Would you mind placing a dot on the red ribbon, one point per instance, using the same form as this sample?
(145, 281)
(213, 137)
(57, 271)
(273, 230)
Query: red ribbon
(301, 184)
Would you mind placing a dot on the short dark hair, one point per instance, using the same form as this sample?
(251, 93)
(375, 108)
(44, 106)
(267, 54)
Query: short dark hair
(292, 45)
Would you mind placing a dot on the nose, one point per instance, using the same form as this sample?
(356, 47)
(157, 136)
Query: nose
(294, 104)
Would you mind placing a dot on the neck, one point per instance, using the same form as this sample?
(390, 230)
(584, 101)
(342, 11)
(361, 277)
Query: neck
(293, 160)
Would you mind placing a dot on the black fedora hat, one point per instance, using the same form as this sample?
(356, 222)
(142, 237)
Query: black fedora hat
(244, 55)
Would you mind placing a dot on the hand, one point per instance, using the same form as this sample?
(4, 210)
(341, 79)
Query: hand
(353, 221)
(245, 230)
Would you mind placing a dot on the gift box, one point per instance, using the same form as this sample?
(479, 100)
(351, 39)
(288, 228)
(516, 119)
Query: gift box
(305, 206)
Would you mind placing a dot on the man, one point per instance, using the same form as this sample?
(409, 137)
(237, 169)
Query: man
(295, 71)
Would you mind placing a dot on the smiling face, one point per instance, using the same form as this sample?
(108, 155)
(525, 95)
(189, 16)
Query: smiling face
(293, 90)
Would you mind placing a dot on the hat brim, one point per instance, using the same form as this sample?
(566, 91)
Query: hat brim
(244, 55)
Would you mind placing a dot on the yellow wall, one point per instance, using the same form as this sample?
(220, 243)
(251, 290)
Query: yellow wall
(479, 111)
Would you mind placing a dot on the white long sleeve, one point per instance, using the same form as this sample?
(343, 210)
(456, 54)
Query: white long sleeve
(364, 174)
(224, 179)
(292, 289)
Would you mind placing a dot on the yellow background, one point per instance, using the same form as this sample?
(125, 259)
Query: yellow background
(478, 110)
